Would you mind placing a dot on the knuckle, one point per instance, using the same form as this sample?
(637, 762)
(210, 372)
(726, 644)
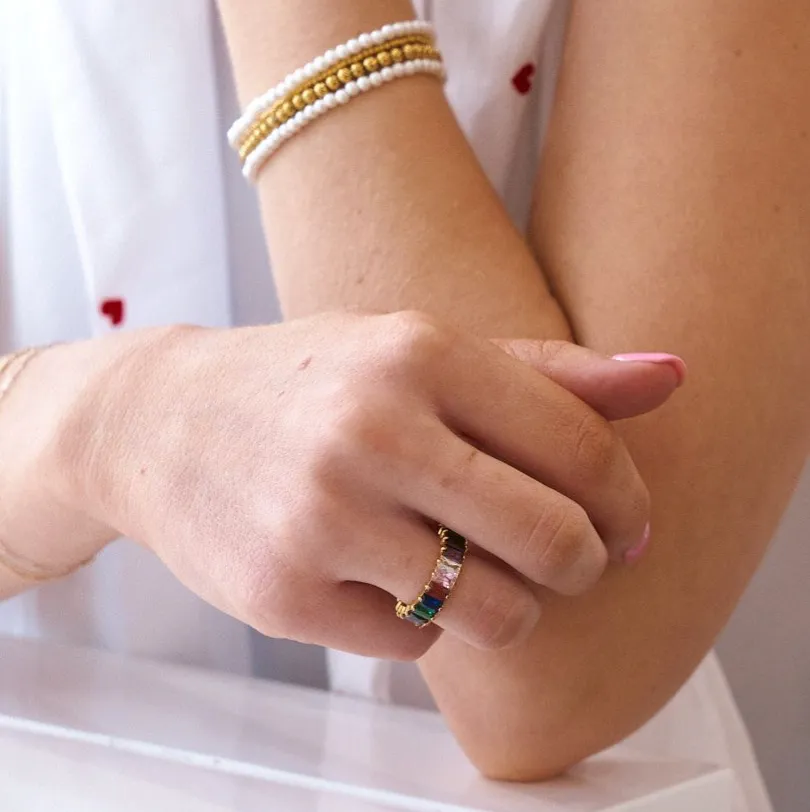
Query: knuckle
(350, 423)
(560, 536)
(570, 560)
(596, 449)
(413, 339)
(553, 351)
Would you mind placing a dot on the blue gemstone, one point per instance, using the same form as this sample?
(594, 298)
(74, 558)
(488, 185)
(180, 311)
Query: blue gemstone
(432, 603)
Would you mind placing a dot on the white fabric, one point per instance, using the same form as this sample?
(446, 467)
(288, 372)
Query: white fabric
(115, 183)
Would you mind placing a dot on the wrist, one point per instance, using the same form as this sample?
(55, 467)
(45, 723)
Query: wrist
(106, 422)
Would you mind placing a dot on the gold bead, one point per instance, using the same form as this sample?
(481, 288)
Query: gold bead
(298, 102)
(409, 51)
(320, 89)
(345, 75)
(397, 55)
(357, 70)
(309, 96)
(280, 118)
(370, 64)
(264, 128)
(332, 82)
(288, 109)
(384, 58)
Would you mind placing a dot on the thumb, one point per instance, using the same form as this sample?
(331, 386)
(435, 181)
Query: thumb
(619, 387)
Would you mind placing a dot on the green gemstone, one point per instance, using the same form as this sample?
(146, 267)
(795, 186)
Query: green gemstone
(424, 612)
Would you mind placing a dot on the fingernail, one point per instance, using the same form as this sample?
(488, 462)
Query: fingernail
(634, 553)
(676, 363)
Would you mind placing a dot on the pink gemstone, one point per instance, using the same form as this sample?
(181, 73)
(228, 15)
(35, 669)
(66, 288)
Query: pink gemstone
(445, 575)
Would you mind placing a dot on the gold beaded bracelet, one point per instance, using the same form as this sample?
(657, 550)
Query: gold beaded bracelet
(407, 49)
(365, 62)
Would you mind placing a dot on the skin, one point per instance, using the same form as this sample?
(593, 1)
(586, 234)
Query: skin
(670, 214)
(325, 438)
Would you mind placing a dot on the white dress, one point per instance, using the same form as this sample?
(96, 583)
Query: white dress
(121, 207)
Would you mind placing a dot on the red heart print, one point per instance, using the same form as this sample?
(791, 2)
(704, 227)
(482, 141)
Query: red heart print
(113, 309)
(522, 80)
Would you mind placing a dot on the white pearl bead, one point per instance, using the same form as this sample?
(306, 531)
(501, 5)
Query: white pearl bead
(318, 107)
(320, 64)
(398, 68)
(364, 40)
(387, 74)
(342, 96)
(342, 51)
(375, 79)
(363, 83)
(377, 37)
(329, 100)
(289, 83)
(352, 89)
(298, 118)
(330, 56)
(409, 68)
(299, 76)
(353, 45)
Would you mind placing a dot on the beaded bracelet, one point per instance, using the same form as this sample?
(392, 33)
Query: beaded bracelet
(368, 61)
(11, 367)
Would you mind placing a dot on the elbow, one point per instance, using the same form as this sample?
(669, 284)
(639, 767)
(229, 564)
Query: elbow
(537, 747)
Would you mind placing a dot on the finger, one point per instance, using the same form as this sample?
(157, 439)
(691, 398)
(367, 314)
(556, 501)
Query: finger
(539, 532)
(527, 420)
(353, 617)
(618, 388)
(489, 607)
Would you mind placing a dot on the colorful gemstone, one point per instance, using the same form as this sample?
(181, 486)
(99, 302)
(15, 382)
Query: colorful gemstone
(438, 591)
(453, 555)
(432, 603)
(453, 539)
(445, 574)
(415, 619)
(422, 611)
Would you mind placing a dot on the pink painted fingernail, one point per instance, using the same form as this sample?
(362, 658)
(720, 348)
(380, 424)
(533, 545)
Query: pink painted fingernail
(673, 361)
(634, 553)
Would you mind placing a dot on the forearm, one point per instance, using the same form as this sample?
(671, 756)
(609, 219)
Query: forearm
(49, 419)
(647, 248)
(385, 193)
(673, 216)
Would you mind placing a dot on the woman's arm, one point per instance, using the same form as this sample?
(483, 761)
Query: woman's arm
(673, 216)
(385, 193)
(46, 426)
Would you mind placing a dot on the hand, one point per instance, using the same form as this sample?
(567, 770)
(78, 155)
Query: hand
(292, 475)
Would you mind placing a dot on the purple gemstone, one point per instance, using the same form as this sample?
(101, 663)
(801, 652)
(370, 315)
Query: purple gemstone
(453, 555)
